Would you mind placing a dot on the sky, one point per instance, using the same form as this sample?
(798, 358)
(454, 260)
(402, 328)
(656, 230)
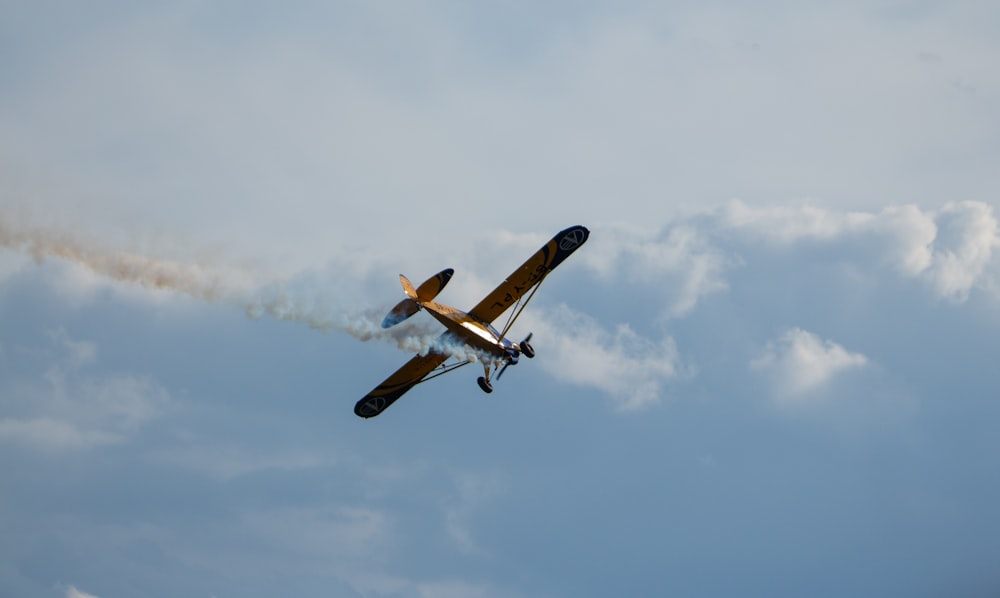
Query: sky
(770, 370)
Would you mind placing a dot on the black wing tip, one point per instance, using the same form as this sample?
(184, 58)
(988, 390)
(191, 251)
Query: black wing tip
(567, 241)
(573, 236)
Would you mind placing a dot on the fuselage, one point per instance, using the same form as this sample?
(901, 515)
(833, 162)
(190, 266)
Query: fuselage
(471, 331)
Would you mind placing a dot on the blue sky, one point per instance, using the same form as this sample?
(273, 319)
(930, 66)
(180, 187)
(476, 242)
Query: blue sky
(771, 370)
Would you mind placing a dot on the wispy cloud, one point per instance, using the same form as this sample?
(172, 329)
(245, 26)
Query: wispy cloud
(73, 592)
(311, 298)
(455, 589)
(473, 491)
(227, 462)
(72, 408)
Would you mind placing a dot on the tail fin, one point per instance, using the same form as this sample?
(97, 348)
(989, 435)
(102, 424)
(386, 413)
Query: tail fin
(428, 290)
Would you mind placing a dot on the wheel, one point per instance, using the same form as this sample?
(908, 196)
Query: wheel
(485, 385)
(527, 350)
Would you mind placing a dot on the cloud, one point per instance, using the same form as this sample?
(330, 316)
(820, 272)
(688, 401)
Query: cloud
(316, 298)
(628, 367)
(229, 461)
(963, 247)
(669, 273)
(327, 532)
(72, 409)
(787, 224)
(950, 249)
(681, 262)
(53, 435)
(474, 490)
(799, 363)
(73, 592)
(455, 589)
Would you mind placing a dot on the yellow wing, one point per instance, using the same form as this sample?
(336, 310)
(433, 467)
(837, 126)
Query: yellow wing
(396, 385)
(530, 273)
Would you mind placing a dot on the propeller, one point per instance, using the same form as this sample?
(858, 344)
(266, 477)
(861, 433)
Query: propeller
(502, 370)
(512, 355)
(511, 359)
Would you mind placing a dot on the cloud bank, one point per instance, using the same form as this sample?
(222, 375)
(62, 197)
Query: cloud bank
(950, 251)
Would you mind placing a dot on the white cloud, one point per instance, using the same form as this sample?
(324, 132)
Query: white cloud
(787, 224)
(967, 235)
(628, 367)
(800, 362)
(73, 592)
(904, 237)
(950, 249)
(681, 263)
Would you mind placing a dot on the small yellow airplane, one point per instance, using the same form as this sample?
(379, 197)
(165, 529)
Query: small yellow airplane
(472, 329)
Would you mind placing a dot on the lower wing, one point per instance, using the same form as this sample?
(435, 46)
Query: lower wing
(396, 385)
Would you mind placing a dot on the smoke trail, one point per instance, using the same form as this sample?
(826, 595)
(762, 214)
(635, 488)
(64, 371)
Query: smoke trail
(278, 299)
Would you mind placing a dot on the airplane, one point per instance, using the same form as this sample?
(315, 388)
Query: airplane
(469, 330)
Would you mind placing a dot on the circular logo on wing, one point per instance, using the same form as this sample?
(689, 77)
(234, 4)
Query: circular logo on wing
(371, 407)
(571, 240)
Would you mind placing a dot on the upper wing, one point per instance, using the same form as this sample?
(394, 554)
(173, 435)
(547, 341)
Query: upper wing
(397, 384)
(530, 273)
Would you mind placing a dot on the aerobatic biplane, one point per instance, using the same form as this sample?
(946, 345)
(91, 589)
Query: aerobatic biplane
(473, 329)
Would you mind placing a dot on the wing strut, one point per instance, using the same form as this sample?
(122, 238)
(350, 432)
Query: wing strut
(444, 369)
(520, 305)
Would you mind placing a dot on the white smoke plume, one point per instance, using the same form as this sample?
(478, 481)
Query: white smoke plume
(278, 299)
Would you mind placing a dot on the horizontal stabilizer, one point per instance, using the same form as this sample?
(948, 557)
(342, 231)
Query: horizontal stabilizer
(433, 285)
(404, 309)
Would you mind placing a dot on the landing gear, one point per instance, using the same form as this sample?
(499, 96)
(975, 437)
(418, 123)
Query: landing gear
(509, 358)
(526, 349)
